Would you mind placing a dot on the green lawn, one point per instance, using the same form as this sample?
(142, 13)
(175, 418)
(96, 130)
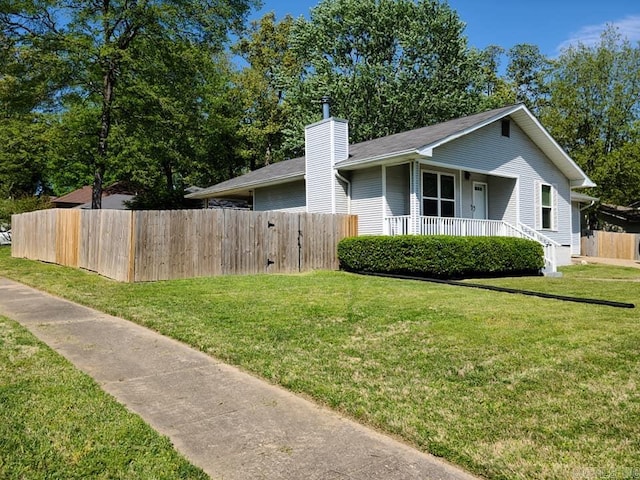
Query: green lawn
(504, 385)
(56, 423)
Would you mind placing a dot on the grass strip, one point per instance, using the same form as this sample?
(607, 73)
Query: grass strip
(56, 422)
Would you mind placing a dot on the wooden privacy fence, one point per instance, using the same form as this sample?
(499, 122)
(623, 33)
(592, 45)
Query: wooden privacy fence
(137, 246)
(597, 243)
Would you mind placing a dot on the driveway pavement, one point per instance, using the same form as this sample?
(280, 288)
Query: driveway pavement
(606, 261)
(229, 423)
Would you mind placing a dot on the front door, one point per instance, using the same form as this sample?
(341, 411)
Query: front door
(479, 206)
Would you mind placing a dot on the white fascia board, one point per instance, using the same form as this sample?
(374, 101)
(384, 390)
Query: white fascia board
(578, 178)
(581, 197)
(582, 183)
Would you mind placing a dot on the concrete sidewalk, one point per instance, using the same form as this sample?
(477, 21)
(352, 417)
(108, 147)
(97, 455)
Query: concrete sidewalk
(229, 423)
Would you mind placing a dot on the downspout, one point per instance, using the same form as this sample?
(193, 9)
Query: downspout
(343, 179)
(588, 206)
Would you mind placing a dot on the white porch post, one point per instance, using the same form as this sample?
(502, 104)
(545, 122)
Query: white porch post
(414, 198)
(385, 223)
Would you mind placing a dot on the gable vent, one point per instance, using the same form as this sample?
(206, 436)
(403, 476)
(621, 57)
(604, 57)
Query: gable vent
(506, 127)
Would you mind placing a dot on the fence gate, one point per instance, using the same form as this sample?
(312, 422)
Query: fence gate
(283, 251)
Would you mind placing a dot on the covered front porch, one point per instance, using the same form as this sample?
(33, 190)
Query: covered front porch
(429, 200)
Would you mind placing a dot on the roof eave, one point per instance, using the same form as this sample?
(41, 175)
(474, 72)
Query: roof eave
(583, 198)
(386, 158)
(244, 187)
(585, 182)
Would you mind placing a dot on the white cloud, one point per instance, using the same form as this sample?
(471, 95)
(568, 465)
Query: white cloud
(628, 27)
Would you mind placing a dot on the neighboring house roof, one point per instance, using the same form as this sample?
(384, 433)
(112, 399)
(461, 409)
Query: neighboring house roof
(629, 214)
(418, 142)
(82, 196)
(111, 202)
(77, 197)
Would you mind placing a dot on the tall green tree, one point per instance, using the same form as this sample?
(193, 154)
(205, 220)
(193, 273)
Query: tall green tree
(267, 51)
(23, 155)
(494, 89)
(94, 40)
(182, 130)
(388, 65)
(527, 73)
(594, 112)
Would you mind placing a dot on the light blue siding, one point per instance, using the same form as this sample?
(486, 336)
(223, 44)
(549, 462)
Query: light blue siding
(503, 199)
(487, 151)
(576, 231)
(288, 197)
(342, 198)
(397, 189)
(366, 200)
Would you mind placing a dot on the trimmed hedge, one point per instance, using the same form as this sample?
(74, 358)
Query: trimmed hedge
(441, 256)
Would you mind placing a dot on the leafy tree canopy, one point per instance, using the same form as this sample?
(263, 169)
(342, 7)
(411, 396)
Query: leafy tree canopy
(78, 52)
(388, 66)
(594, 112)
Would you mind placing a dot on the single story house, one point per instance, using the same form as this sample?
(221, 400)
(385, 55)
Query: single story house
(495, 173)
(114, 197)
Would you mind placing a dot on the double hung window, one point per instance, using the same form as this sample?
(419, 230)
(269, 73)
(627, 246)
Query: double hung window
(546, 206)
(438, 195)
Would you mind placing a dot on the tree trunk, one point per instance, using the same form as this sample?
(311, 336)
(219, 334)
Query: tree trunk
(96, 192)
(168, 175)
(108, 82)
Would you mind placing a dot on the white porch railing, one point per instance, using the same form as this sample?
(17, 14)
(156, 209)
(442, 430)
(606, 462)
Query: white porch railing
(548, 245)
(398, 225)
(469, 227)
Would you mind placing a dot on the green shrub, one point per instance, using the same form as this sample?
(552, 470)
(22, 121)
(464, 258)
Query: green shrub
(441, 256)
(11, 206)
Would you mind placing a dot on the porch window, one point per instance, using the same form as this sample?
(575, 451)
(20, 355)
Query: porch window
(546, 205)
(438, 195)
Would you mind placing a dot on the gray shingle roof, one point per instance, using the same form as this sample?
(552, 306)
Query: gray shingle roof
(418, 138)
(391, 145)
(285, 170)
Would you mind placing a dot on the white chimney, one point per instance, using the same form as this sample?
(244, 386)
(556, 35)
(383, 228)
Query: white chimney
(326, 143)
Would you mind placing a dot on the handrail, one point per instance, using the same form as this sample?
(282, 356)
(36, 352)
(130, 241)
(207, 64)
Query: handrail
(537, 235)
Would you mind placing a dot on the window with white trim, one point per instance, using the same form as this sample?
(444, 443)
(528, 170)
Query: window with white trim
(438, 195)
(546, 206)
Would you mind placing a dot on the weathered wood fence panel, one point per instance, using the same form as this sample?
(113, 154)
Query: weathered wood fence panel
(34, 236)
(89, 248)
(67, 231)
(116, 245)
(597, 243)
(163, 245)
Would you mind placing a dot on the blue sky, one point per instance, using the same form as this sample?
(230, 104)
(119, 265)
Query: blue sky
(550, 24)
